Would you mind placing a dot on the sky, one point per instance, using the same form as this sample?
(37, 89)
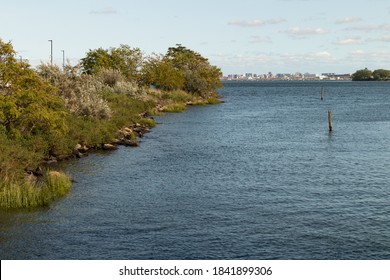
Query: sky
(240, 36)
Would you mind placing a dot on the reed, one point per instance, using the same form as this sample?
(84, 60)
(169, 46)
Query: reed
(175, 107)
(213, 101)
(30, 192)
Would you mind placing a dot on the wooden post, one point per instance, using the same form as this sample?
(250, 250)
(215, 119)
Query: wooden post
(322, 93)
(330, 120)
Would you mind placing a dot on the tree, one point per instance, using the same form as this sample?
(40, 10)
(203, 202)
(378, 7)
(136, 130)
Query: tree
(381, 74)
(200, 77)
(28, 104)
(161, 73)
(362, 75)
(125, 59)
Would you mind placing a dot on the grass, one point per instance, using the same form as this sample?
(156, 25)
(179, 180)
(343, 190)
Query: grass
(213, 101)
(31, 193)
(174, 107)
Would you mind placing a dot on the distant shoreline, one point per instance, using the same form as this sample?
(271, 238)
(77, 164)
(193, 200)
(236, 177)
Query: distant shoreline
(277, 80)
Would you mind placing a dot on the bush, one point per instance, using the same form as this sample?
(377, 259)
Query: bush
(82, 93)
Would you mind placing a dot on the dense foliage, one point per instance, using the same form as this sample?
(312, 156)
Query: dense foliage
(28, 104)
(368, 75)
(184, 69)
(125, 59)
(46, 112)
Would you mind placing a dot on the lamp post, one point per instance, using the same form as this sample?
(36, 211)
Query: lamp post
(63, 59)
(51, 52)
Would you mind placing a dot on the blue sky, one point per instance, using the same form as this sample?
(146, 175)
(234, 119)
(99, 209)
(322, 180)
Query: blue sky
(258, 36)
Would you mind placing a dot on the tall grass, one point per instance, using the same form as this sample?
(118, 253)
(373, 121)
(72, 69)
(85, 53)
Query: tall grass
(174, 107)
(32, 193)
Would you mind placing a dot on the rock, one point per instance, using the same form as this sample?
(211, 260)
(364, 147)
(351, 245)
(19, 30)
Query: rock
(144, 114)
(109, 147)
(51, 160)
(83, 149)
(80, 155)
(128, 130)
(138, 129)
(131, 143)
(63, 157)
(127, 142)
(38, 172)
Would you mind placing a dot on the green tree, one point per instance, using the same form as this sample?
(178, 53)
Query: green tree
(381, 74)
(161, 73)
(362, 75)
(28, 104)
(200, 77)
(125, 59)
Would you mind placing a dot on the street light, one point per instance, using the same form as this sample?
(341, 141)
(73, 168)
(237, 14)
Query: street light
(63, 59)
(51, 52)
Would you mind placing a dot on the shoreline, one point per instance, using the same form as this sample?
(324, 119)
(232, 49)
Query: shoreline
(51, 114)
(43, 185)
(127, 135)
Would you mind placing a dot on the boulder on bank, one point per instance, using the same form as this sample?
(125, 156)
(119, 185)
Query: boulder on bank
(109, 147)
(80, 151)
(127, 142)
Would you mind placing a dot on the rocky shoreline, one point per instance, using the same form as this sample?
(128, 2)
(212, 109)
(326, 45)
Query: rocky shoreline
(127, 136)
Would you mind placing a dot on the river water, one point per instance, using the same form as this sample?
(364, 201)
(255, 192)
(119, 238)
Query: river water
(257, 177)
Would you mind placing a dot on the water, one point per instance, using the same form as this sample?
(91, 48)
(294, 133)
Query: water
(257, 177)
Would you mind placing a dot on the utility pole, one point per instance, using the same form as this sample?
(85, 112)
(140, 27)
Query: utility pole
(63, 59)
(51, 52)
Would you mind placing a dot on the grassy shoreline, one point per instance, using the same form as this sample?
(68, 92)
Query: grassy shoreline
(26, 190)
(49, 114)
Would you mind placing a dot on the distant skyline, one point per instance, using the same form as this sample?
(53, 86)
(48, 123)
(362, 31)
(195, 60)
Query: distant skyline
(281, 36)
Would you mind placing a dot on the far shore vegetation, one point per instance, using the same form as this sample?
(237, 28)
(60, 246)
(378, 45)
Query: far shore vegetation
(368, 75)
(50, 113)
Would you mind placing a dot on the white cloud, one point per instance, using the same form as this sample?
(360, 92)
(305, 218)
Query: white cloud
(348, 20)
(358, 52)
(302, 32)
(104, 11)
(349, 41)
(385, 38)
(323, 54)
(256, 22)
(374, 58)
(247, 23)
(275, 20)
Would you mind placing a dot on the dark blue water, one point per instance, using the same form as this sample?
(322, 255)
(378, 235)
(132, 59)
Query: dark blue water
(257, 177)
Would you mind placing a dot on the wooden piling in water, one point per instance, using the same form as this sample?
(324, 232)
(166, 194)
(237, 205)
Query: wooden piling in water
(330, 120)
(322, 93)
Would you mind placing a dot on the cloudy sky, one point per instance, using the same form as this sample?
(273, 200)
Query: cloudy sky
(258, 36)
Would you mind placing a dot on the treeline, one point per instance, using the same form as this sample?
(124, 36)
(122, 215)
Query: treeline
(45, 113)
(368, 75)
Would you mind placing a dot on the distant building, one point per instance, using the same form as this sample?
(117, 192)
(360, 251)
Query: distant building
(287, 77)
(248, 75)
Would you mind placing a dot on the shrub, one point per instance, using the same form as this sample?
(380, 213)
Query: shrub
(82, 93)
